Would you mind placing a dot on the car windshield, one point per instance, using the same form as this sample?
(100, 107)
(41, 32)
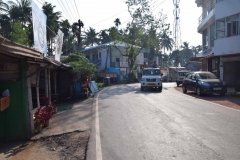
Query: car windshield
(182, 73)
(151, 72)
(207, 76)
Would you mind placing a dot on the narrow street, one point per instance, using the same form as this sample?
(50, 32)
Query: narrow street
(161, 125)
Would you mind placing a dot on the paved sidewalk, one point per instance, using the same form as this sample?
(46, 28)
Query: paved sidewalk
(76, 119)
(79, 118)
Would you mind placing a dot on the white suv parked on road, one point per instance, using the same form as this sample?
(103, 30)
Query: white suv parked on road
(151, 78)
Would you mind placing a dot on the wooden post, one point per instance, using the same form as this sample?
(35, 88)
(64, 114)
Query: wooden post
(55, 82)
(46, 82)
(49, 84)
(37, 87)
(30, 105)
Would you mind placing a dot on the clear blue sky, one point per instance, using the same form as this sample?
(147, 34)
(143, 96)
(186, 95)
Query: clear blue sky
(100, 14)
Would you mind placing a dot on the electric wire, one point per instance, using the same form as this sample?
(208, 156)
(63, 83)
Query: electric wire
(69, 10)
(77, 9)
(74, 9)
(63, 8)
(107, 18)
(159, 5)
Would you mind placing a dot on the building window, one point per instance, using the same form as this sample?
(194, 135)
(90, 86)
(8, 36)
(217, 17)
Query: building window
(145, 55)
(205, 40)
(212, 34)
(232, 28)
(117, 64)
(220, 28)
(232, 25)
(99, 54)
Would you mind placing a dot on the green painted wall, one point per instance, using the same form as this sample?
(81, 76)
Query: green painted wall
(13, 120)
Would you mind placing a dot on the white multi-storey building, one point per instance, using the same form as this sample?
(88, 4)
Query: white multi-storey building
(220, 29)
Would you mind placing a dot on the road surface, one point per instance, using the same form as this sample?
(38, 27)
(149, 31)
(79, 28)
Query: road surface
(133, 125)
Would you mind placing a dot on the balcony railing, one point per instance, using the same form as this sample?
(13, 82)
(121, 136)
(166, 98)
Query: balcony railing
(95, 60)
(207, 10)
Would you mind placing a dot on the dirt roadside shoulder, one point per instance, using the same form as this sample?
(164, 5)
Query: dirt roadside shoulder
(227, 100)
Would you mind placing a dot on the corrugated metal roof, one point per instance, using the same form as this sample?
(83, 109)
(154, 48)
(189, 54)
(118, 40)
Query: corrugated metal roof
(10, 48)
(57, 63)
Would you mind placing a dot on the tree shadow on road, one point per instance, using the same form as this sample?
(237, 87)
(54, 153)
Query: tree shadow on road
(226, 100)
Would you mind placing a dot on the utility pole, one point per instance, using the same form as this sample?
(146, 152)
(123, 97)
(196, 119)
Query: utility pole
(80, 25)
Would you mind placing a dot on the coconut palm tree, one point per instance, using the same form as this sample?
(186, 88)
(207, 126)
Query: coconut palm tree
(91, 37)
(52, 23)
(65, 28)
(77, 31)
(196, 49)
(104, 37)
(5, 25)
(117, 22)
(165, 42)
(21, 10)
(185, 53)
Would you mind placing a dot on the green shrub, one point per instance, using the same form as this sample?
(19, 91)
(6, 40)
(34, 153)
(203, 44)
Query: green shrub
(100, 85)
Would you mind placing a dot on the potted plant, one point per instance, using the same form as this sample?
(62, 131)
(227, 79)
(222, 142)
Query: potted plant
(38, 123)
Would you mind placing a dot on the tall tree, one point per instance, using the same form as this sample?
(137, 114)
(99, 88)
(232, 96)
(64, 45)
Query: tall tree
(117, 22)
(140, 33)
(52, 23)
(67, 41)
(18, 34)
(91, 38)
(77, 31)
(5, 25)
(196, 49)
(186, 53)
(104, 37)
(165, 42)
(175, 55)
(21, 10)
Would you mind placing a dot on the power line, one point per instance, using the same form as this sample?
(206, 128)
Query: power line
(159, 4)
(69, 10)
(107, 18)
(77, 9)
(63, 8)
(73, 9)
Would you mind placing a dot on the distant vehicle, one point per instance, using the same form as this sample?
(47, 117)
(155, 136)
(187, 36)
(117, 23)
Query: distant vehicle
(180, 76)
(203, 83)
(151, 78)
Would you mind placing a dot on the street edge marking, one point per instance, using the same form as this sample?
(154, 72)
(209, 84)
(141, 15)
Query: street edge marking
(208, 101)
(97, 127)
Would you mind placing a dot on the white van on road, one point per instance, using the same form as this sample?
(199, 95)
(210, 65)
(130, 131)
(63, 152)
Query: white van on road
(180, 76)
(151, 78)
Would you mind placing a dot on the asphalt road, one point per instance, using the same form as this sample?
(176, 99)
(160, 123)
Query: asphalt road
(152, 125)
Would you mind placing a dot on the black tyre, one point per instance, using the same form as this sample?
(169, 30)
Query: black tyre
(184, 89)
(160, 89)
(198, 91)
(178, 84)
